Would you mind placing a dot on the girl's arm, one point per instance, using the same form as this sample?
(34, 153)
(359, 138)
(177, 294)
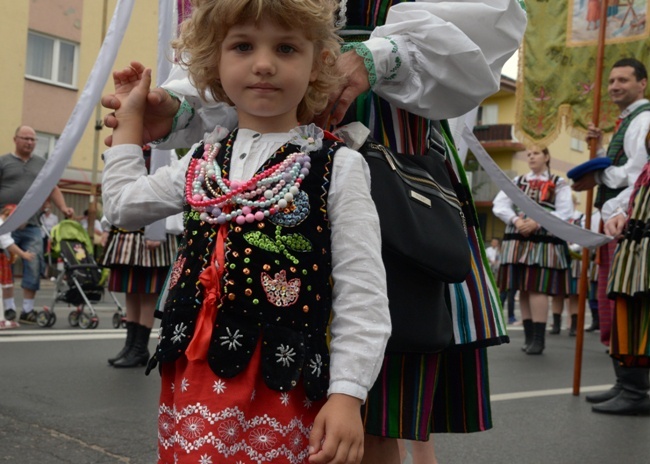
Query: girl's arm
(361, 322)
(131, 198)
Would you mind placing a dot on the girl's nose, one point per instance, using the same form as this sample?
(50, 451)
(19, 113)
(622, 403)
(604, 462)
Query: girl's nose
(263, 64)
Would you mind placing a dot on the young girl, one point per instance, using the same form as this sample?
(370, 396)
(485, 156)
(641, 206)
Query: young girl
(7, 246)
(280, 229)
(534, 261)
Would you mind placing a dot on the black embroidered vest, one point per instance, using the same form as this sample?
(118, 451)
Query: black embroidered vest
(544, 195)
(275, 286)
(616, 152)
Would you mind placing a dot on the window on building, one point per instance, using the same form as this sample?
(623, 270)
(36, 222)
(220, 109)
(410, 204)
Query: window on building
(52, 60)
(487, 115)
(576, 144)
(45, 144)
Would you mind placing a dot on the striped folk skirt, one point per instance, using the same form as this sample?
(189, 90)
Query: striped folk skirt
(134, 267)
(629, 281)
(538, 263)
(416, 395)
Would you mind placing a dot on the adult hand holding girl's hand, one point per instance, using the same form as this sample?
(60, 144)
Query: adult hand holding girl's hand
(337, 435)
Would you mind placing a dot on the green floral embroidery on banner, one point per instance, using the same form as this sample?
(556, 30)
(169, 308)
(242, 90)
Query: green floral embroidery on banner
(280, 244)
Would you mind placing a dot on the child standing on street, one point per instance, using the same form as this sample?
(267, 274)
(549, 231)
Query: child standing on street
(8, 249)
(281, 242)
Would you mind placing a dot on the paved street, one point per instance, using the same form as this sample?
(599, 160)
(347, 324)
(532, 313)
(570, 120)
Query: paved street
(62, 403)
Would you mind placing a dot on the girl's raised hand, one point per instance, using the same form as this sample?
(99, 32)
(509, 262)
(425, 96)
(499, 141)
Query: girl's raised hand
(131, 89)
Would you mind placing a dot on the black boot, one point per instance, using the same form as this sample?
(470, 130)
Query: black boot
(139, 353)
(612, 392)
(574, 325)
(131, 329)
(539, 333)
(633, 398)
(595, 321)
(557, 324)
(528, 333)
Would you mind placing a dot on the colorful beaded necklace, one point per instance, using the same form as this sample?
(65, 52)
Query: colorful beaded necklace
(254, 200)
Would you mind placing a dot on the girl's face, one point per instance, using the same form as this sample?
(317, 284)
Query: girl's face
(265, 71)
(537, 160)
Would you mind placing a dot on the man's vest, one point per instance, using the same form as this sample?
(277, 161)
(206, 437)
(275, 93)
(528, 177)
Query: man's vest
(616, 152)
(275, 285)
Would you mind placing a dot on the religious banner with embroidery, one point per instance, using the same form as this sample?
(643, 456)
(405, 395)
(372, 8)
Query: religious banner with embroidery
(557, 63)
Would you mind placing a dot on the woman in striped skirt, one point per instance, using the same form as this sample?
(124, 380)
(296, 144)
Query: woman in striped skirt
(139, 268)
(534, 261)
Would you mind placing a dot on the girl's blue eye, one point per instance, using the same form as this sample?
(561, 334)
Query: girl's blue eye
(286, 49)
(244, 47)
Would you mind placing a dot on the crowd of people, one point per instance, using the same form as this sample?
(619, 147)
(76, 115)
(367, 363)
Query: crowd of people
(274, 302)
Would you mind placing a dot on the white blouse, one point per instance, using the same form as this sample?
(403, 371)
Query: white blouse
(361, 323)
(504, 208)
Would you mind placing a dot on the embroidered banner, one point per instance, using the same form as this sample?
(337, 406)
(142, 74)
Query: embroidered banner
(557, 66)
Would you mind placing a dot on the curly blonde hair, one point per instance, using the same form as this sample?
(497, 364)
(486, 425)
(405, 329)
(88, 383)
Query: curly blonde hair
(198, 46)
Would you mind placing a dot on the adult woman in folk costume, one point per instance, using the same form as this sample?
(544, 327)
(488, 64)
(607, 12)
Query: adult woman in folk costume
(407, 64)
(534, 261)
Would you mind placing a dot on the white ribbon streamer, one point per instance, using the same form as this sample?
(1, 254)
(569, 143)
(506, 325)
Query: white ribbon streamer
(167, 21)
(555, 225)
(53, 169)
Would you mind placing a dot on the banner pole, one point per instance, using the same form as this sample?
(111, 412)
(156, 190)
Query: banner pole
(582, 286)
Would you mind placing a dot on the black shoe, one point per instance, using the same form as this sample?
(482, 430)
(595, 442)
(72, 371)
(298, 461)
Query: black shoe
(557, 324)
(538, 344)
(528, 333)
(597, 398)
(624, 404)
(10, 314)
(131, 329)
(573, 330)
(28, 318)
(138, 355)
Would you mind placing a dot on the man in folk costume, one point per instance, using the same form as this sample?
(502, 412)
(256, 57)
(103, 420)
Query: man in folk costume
(628, 154)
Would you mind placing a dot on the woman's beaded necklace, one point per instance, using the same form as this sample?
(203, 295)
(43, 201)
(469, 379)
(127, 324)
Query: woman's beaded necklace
(253, 200)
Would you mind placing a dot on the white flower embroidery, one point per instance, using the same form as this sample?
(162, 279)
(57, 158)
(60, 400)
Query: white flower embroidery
(193, 427)
(316, 364)
(307, 403)
(185, 384)
(252, 396)
(232, 339)
(285, 355)
(229, 431)
(284, 399)
(219, 386)
(179, 332)
(205, 459)
(263, 438)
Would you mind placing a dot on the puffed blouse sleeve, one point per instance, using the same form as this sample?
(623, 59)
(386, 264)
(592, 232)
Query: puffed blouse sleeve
(440, 59)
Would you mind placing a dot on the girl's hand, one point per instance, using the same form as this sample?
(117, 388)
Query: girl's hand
(337, 435)
(28, 255)
(131, 89)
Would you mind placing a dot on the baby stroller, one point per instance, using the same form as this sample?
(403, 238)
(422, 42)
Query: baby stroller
(79, 282)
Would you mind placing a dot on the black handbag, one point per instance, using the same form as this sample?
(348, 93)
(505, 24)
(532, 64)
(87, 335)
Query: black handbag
(424, 243)
(420, 215)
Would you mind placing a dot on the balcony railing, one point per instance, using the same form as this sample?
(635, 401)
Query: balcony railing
(494, 132)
